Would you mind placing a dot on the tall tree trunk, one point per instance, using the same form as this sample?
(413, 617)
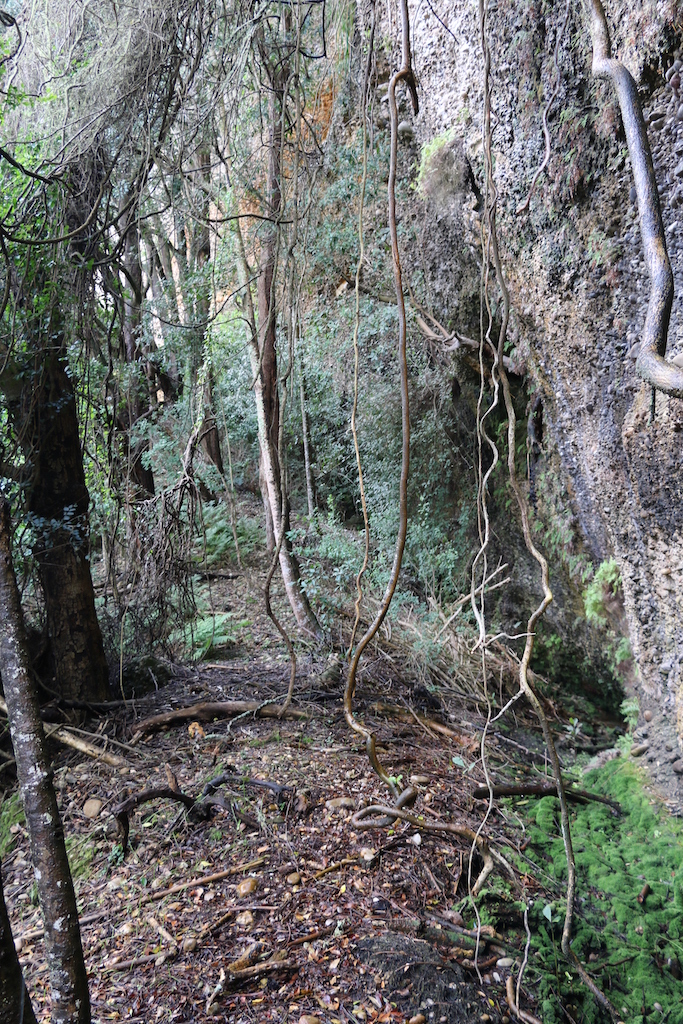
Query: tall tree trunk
(15, 1003)
(58, 500)
(68, 979)
(310, 485)
(137, 397)
(269, 468)
(211, 442)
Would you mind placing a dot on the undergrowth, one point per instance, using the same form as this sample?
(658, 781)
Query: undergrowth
(633, 950)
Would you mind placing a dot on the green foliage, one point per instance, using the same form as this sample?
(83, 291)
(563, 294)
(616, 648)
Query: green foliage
(208, 635)
(11, 814)
(637, 946)
(606, 583)
(630, 709)
(217, 545)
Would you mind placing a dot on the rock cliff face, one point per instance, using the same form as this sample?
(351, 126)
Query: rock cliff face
(576, 273)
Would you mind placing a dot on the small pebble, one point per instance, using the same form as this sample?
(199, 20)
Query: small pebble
(415, 840)
(419, 1018)
(246, 886)
(648, 716)
(639, 750)
(505, 962)
(309, 1018)
(245, 919)
(92, 807)
(294, 878)
(678, 767)
(497, 978)
(419, 780)
(189, 944)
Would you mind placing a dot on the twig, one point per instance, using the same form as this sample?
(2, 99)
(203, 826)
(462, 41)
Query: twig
(201, 880)
(311, 937)
(265, 968)
(334, 867)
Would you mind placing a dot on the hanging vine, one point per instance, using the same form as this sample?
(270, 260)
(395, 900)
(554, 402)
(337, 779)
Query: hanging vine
(525, 688)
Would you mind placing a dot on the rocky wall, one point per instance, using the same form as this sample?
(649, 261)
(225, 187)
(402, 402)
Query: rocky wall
(577, 275)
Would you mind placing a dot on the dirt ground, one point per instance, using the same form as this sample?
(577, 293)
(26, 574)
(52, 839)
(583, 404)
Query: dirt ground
(274, 904)
(337, 912)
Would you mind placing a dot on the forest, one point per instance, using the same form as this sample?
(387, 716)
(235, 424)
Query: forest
(341, 359)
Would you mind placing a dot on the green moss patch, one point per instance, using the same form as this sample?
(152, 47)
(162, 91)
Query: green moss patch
(11, 813)
(633, 950)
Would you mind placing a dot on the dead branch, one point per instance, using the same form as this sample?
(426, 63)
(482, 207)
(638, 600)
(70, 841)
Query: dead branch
(76, 743)
(579, 796)
(206, 712)
(203, 880)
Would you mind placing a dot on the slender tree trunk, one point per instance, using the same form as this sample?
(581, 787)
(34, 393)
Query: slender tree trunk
(68, 980)
(137, 397)
(310, 486)
(15, 1003)
(269, 469)
(211, 442)
(265, 496)
(58, 500)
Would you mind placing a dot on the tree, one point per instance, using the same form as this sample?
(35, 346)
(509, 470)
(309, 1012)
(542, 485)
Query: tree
(68, 978)
(15, 1002)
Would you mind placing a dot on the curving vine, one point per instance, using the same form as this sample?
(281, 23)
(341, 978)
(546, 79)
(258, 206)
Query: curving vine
(650, 364)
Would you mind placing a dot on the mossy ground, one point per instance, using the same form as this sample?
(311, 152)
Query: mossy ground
(634, 951)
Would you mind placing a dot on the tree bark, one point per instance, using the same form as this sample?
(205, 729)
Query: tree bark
(58, 503)
(310, 485)
(15, 1003)
(136, 401)
(269, 469)
(70, 1000)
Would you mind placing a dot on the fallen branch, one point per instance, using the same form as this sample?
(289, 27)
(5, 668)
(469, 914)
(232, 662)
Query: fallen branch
(265, 968)
(69, 740)
(580, 796)
(202, 880)
(121, 811)
(206, 712)
(442, 828)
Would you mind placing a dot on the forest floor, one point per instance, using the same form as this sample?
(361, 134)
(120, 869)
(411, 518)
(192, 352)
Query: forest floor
(276, 906)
